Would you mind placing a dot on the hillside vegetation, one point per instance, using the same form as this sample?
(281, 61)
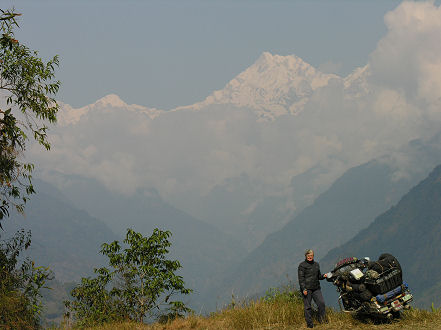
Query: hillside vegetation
(283, 310)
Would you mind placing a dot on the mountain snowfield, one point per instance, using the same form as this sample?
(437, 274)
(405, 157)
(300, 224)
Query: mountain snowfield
(273, 86)
(69, 115)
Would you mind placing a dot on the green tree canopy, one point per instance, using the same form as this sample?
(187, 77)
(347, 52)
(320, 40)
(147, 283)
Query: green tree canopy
(139, 284)
(27, 88)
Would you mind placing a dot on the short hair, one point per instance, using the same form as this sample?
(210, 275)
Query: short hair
(308, 251)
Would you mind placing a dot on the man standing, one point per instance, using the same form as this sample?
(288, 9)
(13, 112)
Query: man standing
(309, 276)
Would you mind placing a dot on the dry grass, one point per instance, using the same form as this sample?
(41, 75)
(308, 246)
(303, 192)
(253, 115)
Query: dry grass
(283, 310)
(261, 315)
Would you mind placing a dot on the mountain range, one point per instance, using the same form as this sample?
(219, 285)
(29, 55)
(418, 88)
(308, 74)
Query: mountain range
(351, 204)
(272, 86)
(203, 250)
(65, 238)
(348, 206)
(255, 152)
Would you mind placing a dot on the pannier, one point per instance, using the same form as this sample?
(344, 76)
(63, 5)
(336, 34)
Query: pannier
(387, 281)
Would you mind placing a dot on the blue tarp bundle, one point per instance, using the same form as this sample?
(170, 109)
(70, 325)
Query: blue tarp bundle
(381, 298)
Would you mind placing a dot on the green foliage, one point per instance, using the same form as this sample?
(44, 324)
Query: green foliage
(27, 87)
(94, 304)
(140, 280)
(286, 293)
(20, 284)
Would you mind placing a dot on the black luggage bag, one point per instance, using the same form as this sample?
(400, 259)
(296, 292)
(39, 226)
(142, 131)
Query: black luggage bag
(387, 281)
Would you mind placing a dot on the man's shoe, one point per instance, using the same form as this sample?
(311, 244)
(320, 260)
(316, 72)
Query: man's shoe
(310, 326)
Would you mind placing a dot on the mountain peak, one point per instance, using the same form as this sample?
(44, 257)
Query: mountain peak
(111, 100)
(274, 85)
(291, 61)
(69, 115)
(266, 56)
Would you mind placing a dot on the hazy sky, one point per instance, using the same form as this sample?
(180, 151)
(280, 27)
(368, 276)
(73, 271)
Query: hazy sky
(169, 53)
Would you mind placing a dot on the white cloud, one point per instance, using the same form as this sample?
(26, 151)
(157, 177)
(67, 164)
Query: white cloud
(409, 56)
(392, 105)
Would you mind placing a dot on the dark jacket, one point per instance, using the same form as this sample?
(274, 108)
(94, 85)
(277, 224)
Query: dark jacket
(309, 275)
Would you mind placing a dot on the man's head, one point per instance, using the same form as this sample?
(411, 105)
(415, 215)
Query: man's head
(309, 255)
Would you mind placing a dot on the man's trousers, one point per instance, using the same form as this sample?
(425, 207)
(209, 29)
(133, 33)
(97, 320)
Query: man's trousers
(320, 302)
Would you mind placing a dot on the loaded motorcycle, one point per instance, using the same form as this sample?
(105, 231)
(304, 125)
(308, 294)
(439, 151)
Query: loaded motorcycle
(372, 289)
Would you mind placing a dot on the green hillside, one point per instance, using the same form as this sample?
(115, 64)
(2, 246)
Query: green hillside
(410, 230)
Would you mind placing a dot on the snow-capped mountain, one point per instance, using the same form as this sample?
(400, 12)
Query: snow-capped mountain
(356, 84)
(69, 115)
(274, 85)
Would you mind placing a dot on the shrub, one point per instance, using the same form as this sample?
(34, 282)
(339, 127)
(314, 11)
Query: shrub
(20, 284)
(141, 281)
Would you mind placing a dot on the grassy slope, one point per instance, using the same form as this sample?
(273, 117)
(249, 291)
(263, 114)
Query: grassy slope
(284, 312)
(264, 317)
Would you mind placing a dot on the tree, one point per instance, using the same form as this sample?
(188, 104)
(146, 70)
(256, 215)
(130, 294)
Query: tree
(27, 88)
(20, 284)
(140, 282)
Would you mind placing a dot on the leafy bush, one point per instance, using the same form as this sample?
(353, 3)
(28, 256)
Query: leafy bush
(140, 282)
(286, 293)
(20, 284)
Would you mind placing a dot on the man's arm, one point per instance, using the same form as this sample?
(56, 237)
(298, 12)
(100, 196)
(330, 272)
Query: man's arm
(321, 276)
(301, 276)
